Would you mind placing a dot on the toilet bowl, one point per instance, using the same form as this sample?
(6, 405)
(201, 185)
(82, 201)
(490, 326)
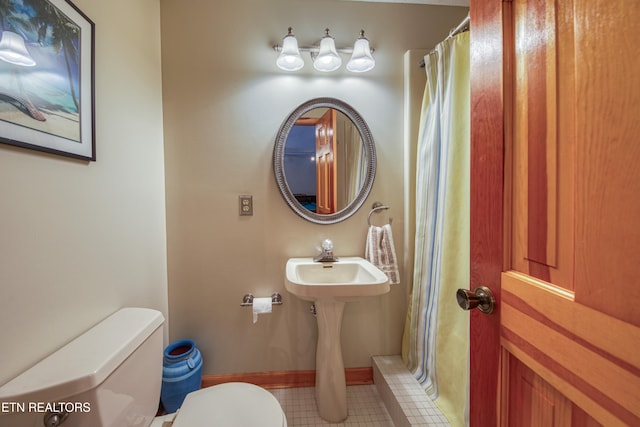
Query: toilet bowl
(111, 375)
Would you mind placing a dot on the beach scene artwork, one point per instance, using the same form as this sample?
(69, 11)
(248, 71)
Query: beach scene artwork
(42, 74)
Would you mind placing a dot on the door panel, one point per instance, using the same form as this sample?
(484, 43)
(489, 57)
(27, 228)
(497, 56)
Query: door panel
(538, 403)
(542, 201)
(566, 155)
(568, 319)
(588, 356)
(326, 171)
(608, 176)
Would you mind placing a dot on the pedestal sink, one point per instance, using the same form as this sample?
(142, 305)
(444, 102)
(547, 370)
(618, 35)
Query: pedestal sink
(330, 285)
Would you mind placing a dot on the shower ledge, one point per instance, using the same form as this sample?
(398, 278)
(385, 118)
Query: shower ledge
(406, 401)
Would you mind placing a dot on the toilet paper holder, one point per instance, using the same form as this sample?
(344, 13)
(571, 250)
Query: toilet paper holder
(247, 300)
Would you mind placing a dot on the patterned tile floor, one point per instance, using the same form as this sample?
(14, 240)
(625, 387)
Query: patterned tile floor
(365, 407)
(406, 399)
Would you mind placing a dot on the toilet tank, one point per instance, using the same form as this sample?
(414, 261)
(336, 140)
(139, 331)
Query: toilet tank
(110, 376)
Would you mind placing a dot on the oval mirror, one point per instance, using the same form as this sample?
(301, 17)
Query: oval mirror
(324, 160)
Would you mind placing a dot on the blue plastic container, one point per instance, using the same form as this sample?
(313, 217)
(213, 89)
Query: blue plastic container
(181, 373)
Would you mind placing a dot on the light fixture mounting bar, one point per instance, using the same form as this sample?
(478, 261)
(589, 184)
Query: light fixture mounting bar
(316, 49)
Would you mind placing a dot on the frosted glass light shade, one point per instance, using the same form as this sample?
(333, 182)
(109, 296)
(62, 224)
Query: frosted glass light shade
(361, 59)
(328, 58)
(289, 58)
(13, 50)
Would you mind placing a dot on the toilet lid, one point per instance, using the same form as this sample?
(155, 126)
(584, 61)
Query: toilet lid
(230, 405)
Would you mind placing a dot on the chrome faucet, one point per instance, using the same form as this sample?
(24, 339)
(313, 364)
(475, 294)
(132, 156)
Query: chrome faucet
(327, 252)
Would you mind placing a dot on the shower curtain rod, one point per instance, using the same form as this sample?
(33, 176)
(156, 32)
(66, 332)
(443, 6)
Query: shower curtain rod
(461, 28)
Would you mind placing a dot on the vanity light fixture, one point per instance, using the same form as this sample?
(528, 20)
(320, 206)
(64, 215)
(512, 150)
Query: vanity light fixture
(361, 60)
(328, 58)
(325, 56)
(289, 58)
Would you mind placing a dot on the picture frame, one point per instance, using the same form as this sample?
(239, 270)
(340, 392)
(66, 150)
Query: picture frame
(47, 77)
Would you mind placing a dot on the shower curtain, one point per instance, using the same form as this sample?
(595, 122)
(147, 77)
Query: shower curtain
(436, 337)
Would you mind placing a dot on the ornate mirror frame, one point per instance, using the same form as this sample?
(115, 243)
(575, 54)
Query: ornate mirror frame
(370, 153)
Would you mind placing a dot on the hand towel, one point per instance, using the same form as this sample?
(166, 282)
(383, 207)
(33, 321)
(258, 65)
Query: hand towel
(381, 252)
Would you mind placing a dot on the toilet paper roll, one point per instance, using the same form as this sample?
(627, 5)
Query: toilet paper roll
(261, 306)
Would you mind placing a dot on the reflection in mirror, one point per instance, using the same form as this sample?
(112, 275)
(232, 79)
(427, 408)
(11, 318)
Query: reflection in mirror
(324, 160)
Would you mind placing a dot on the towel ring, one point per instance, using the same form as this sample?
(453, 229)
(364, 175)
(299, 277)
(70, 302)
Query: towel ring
(377, 206)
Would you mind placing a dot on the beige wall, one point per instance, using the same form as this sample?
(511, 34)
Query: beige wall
(79, 240)
(224, 100)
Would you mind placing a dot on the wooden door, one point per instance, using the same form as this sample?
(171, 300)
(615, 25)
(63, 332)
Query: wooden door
(555, 212)
(326, 171)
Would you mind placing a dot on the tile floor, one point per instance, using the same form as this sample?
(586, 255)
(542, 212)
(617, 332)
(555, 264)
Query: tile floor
(395, 400)
(366, 408)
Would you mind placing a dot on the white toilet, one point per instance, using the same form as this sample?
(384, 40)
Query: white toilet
(111, 375)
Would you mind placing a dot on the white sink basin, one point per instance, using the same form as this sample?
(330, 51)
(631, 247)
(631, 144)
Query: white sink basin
(347, 279)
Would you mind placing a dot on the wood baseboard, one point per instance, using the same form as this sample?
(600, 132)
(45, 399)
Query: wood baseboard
(287, 379)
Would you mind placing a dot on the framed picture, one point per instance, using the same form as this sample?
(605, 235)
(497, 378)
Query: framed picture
(47, 77)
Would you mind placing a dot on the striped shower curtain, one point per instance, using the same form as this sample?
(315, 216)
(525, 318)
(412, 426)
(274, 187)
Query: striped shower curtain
(436, 336)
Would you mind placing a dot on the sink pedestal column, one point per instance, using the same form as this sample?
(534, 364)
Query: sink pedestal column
(331, 386)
